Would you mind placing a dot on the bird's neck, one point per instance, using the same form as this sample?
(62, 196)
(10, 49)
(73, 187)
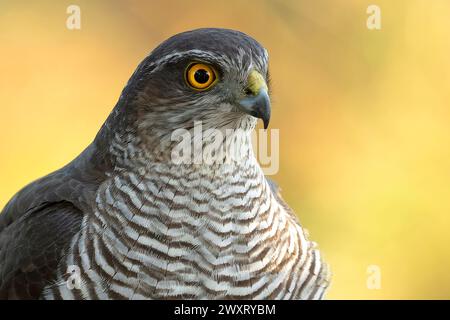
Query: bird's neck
(193, 149)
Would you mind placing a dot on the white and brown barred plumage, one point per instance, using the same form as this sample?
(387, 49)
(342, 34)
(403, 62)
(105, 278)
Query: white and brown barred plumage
(140, 226)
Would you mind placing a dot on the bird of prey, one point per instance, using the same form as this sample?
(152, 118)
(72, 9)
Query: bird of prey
(125, 220)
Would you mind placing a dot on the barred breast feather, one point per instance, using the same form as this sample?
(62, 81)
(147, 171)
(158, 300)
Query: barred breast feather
(180, 232)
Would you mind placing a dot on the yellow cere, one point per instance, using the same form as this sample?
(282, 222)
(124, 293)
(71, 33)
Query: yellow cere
(256, 82)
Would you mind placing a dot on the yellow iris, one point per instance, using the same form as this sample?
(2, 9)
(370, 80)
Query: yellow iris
(200, 76)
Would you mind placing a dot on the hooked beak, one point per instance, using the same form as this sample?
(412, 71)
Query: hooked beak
(257, 101)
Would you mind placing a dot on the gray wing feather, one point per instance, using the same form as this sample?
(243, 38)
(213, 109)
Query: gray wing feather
(32, 246)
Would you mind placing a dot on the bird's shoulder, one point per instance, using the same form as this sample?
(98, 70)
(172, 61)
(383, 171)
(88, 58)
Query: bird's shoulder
(75, 183)
(31, 198)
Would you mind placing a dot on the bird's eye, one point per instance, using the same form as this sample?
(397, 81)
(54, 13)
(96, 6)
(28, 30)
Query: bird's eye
(200, 76)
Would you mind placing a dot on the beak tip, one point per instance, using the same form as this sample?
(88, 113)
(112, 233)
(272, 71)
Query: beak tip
(258, 106)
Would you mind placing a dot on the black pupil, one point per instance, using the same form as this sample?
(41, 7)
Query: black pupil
(201, 76)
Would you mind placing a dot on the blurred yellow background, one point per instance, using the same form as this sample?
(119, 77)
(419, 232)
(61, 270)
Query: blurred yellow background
(364, 115)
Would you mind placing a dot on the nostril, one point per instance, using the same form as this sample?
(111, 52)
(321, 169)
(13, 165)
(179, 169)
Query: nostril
(248, 92)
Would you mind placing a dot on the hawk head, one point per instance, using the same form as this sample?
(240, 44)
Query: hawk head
(216, 76)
